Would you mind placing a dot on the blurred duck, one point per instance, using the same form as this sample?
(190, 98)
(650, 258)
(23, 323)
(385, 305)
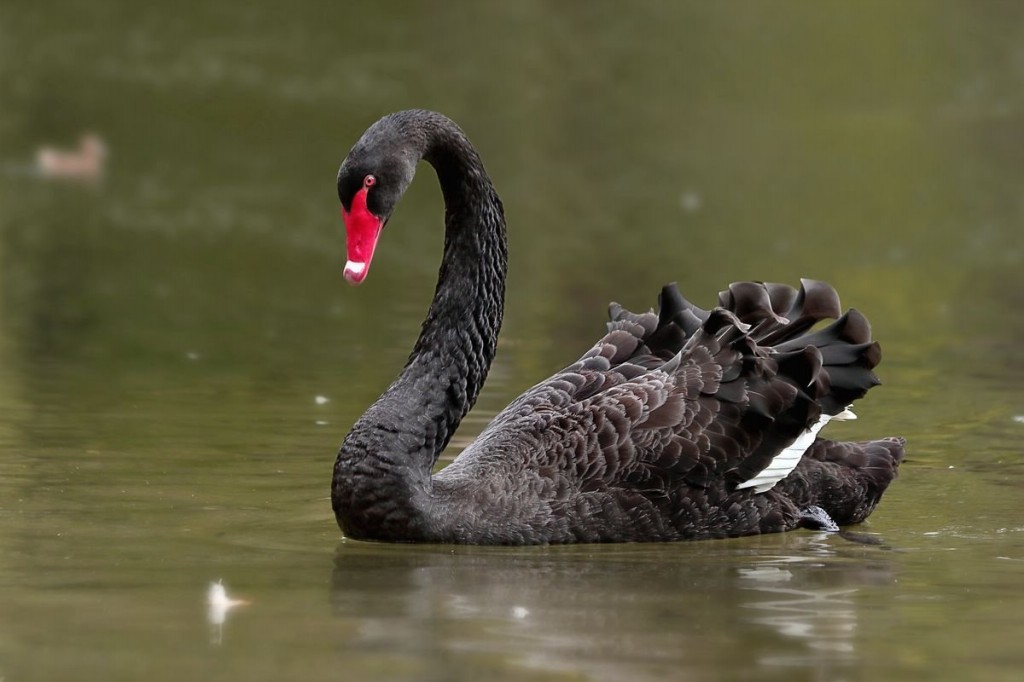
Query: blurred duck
(85, 163)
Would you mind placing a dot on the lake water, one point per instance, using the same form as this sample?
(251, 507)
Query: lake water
(179, 356)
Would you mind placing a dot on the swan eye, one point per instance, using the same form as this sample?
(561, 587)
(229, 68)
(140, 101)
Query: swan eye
(369, 181)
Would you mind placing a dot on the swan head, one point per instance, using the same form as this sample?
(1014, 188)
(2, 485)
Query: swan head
(371, 181)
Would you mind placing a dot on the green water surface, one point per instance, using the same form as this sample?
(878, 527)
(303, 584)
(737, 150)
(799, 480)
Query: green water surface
(179, 356)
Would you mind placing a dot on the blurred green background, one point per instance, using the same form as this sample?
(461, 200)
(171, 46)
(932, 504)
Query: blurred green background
(166, 330)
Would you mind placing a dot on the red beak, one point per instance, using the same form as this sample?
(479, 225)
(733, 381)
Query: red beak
(362, 229)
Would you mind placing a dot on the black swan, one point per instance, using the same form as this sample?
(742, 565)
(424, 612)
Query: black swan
(676, 425)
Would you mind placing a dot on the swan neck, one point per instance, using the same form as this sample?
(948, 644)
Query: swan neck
(397, 442)
(459, 335)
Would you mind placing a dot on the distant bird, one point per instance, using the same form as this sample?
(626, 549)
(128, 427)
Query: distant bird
(681, 424)
(86, 163)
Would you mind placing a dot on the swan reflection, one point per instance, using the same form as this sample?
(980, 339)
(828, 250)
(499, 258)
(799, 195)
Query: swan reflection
(605, 613)
(805, 598)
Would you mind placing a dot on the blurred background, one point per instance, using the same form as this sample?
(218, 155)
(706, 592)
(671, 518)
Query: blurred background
(180, 357)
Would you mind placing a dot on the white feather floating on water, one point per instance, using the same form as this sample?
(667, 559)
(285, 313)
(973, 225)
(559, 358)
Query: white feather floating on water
(218, 605)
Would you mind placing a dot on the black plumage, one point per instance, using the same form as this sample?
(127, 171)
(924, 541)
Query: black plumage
(655, 433)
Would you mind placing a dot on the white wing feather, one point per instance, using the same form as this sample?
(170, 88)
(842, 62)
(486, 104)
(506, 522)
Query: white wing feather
(787, 459)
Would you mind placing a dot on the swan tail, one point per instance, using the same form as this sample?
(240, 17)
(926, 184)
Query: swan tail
(845, 479)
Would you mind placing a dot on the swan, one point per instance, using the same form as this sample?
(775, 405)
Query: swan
(679, 424)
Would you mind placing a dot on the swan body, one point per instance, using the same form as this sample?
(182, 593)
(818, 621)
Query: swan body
(677, 424)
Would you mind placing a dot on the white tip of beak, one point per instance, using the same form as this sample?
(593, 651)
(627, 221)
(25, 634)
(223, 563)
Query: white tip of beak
(355, 272)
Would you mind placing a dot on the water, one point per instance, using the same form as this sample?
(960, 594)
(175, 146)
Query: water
(165, 334)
